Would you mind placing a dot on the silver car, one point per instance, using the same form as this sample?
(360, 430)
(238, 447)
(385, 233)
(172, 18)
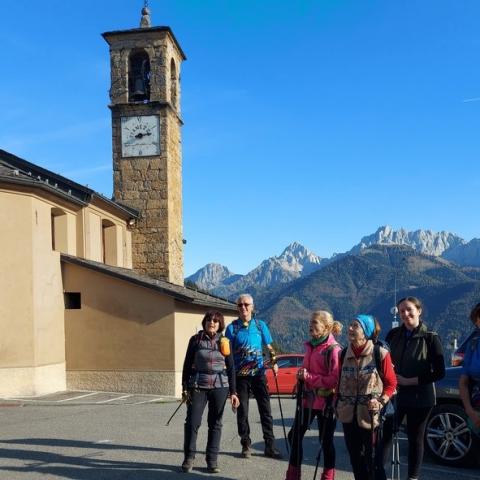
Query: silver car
(448, 438)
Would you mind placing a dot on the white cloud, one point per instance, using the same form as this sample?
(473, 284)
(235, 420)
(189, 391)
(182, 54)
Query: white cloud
(474, 99)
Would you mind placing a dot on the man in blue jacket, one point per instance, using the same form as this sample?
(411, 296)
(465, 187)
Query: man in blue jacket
(248, 336)
(469, 383)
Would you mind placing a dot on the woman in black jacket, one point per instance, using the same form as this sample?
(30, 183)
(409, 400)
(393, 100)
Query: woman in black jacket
(208, 376)
(417, 355)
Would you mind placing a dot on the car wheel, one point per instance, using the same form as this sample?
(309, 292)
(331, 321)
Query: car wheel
(448, 438)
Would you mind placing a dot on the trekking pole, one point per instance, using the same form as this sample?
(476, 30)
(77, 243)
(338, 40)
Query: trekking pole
(326, 416)
(281, 412)
(175, 412)
(395, 457)
(371, 473)
(395, 445)
(299, 426)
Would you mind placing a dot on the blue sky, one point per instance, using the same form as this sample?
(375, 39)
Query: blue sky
(316, 121)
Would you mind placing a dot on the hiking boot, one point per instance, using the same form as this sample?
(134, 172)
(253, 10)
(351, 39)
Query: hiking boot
(246, 451)
(213, 469)
(328, 474)
(293, 473)
(272, 452)
(187, 465)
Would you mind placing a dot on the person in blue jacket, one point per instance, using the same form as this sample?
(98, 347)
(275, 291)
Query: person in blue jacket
(248, 337)
(469, 383)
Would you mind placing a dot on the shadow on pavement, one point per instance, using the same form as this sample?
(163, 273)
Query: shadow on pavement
(83, 467)
(56, 442)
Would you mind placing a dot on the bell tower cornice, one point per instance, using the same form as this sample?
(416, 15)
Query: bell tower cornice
(142, 36)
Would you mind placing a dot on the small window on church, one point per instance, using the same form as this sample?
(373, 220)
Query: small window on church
(139, 76)
(73, 300)
(173, 85)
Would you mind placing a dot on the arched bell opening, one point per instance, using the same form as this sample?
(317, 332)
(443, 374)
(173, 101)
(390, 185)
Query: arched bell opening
(138, 76)
(173, 85)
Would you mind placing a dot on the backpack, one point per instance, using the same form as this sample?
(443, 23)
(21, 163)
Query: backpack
(388, 410)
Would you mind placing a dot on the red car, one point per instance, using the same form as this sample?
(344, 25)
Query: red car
(288, 365)
(458, 354)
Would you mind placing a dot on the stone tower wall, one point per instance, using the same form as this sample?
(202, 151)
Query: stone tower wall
(152, 185)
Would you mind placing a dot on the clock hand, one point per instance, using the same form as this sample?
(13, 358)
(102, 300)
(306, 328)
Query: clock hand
(141, 135)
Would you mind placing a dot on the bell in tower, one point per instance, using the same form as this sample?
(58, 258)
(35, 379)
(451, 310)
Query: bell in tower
(139, 77)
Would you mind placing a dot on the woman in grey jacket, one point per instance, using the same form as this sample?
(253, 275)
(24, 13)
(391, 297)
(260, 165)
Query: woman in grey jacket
(208, 376)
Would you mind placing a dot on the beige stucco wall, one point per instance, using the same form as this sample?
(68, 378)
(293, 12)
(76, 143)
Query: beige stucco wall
(93, 238)
(64, 231)
(126, 337)
(32, 359)
(122, 337)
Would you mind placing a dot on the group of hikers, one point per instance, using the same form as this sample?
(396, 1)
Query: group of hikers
(370, 386)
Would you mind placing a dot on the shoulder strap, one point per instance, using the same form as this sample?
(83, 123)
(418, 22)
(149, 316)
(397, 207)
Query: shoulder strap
(330, 350)
(342, 358)
(198, 337)
(342, 354)
(378, 359)
(236, 327)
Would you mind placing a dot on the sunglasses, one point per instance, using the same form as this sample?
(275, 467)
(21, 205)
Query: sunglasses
(243, 305)
(214, 320)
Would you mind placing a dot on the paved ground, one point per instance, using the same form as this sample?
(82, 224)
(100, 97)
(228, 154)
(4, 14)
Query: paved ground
(96, 435)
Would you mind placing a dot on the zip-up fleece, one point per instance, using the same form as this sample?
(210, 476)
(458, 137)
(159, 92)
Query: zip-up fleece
(359, 380)
(322, 369)
(419, 355)
(205, 367)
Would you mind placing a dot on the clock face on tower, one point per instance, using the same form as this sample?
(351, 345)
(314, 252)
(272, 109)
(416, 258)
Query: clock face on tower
(140, 136)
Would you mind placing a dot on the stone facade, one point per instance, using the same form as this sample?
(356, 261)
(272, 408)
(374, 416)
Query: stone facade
(152, 185)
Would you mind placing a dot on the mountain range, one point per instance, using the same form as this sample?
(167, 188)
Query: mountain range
(440, 268)
(294, 262)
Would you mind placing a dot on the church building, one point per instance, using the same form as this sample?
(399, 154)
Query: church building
(92, 294)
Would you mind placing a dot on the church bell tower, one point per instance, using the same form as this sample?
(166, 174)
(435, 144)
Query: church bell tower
(146, 135)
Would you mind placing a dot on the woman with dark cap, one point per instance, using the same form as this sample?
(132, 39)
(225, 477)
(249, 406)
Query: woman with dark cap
(208, 376)
(364, 388)
(417, 355)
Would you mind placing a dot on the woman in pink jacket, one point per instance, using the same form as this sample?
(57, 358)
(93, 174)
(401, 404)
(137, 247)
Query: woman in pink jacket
(319, 377)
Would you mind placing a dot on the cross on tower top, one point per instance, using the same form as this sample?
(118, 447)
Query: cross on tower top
(145, 21)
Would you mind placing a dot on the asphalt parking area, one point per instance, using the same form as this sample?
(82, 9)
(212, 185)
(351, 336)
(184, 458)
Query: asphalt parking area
(80, 397)
(112, 436)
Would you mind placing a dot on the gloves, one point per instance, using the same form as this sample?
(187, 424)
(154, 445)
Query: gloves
(273, 357)
(186, 397)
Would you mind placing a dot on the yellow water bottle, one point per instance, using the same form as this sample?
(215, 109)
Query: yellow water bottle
(225, 346)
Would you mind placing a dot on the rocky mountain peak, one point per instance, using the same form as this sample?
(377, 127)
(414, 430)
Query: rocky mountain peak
(298, 252)
(423, 241)
(211, 275)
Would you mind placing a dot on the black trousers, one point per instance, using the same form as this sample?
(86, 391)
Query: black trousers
(258, 386)
(359, 446)
(295, 436)
(416, 423)
(215, 398)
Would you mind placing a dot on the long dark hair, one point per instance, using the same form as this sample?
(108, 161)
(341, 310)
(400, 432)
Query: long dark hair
(214, 315)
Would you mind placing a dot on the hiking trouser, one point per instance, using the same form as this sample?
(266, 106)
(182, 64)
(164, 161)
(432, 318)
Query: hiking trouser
(359, 445)
(416, 423)
(258, 386)
(295, 437)
(215, 398)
